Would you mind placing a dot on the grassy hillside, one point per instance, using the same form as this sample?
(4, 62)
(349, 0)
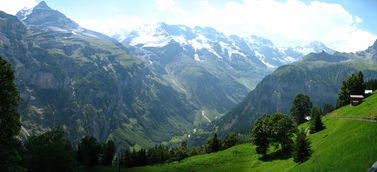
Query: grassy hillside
(345, 145)
(366, 110)
(318, 75)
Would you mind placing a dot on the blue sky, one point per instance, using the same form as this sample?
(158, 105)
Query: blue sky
(345, 25)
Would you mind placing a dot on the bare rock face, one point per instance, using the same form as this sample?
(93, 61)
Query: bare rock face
(43, 16)
(45, 80)
(87, 82)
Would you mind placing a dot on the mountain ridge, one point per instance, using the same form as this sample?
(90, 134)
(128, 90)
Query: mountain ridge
(43, 15)
(318, 75)
(88, 83)
(160, 34)
(214, 69)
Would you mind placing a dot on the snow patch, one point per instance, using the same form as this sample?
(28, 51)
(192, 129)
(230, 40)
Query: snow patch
(287, 59)
(205, 116)
(196, 58)
(180, 39)
(198, 44)
(258, 54)
(230, 50)
(268, 64)
(26, 12)
(150, 40)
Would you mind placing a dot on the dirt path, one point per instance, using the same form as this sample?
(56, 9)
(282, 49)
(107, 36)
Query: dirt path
(353, 118)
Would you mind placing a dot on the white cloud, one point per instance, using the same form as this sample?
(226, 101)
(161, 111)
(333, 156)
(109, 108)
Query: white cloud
(13, 6)
(204, 4)
(111, 26)
(164, 4)
(287, 22)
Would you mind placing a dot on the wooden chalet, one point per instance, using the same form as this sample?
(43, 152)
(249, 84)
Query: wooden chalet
(356, 99)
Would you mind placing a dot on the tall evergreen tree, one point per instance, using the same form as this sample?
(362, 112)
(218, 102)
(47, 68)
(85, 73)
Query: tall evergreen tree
(127, 158)
(88, 151)
(142, 158)
(354, 84)
(10, 124)
(316, 121)
(302, 150)
(301, 108)
(184, 152)
(109, 150)
(213, 144)
(230, 140)
(216, 145)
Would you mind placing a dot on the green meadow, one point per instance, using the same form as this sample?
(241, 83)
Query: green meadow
(345, 144)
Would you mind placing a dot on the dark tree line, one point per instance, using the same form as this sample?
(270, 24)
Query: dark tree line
(371, 84)
(91, 153)
(10, 124)
(163, 154)
(49, 151)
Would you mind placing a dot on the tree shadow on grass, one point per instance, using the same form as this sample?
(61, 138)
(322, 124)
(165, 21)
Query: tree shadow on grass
(278, 155)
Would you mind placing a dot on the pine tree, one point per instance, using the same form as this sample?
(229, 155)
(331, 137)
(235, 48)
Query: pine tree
(315, 121)
(302, 150)
(142, 158)
(230, 140)
(10, 124)
(109, 150)
(88, 151)
(216, 145)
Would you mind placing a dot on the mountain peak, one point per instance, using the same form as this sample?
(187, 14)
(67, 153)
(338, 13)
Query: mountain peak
(375, 45)
(315, 47)
(42, 5)
(43, 16)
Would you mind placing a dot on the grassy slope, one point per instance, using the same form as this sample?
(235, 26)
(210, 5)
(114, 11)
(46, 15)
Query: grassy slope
(345, 145)
(367, 110)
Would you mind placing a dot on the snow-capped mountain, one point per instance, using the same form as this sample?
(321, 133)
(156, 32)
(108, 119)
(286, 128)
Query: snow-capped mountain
(43, 16)
(206, 64)
(206, 40)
